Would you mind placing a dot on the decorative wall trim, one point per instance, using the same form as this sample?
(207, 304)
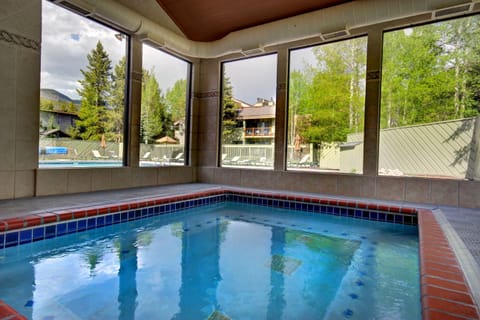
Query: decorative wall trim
(373, 75)
(208, 94)
(137, 76)
(19, 40)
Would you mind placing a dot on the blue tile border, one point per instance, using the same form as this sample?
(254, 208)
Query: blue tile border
(47, 231)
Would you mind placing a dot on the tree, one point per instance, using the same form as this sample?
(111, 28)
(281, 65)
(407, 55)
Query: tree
(46, 104)
(416, 79)
(229, 112)
(298, 89)
(94, 91)
(154, 121)
(176, 99)
(62, 106)
(328, 99)
(429, 73)
(116, 107)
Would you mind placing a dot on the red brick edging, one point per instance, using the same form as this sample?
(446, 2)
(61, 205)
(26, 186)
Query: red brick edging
(445, 292)
(7, 312)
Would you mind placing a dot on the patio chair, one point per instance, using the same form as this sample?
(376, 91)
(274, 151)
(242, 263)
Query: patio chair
(304, 161)
(234, 160)
(178, 157)
(263, 162)
(97, 155)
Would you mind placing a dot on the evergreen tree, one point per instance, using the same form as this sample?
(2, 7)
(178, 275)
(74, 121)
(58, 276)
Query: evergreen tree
(229, 113)
(116, 106)
(154, 121)
(176, 99)
(94, 91)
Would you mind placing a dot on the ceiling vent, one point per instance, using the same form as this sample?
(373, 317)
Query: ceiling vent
(454, 10)
(72, 7)
(335, 34)
(253, 51)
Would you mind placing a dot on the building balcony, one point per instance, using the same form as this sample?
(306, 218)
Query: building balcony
(261, 132)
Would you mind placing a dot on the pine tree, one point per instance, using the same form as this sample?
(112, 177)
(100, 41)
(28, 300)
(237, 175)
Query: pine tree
(229, 113)
(94, 91)
(154, 121)
(176, 99)
(116, 107)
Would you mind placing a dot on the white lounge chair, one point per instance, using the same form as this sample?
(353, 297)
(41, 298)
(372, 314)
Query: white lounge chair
(178, 157)
(234, 160)
(97, 155)
(304, 160)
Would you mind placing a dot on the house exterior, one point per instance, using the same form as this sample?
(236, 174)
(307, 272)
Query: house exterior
(59, 120)
(258, 121)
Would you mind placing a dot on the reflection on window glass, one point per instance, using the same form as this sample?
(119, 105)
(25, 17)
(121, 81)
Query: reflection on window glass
(248, 112)
(82, 96)
(430, 124)
(164, 103)
(326, 107)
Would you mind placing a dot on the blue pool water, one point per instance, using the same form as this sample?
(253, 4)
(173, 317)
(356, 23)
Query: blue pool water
(79, 164)
(221, 261)
(92, 164)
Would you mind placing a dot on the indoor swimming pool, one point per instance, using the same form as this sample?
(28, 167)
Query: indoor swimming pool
(221, 260)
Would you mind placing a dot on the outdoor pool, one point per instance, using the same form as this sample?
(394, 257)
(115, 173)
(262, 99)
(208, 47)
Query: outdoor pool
(91, 164)
(225, 260)
(79, 164)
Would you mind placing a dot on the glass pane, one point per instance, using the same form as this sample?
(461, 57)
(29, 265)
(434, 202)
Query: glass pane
(326, 106)
(164, 103)
(82, 96)
(248, 112)
(430, 104)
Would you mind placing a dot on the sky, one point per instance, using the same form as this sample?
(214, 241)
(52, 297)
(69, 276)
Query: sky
(253, 78)
(67, 38)
(167, 68)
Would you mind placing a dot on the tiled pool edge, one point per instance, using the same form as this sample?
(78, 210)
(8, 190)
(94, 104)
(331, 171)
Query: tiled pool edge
(444, 289)
(8, 313)
(49, 224)
(445, 293)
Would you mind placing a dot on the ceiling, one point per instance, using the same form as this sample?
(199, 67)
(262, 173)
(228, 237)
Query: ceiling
(210, 20)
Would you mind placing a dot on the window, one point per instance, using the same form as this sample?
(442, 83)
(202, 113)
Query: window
(248, 112)
(430, 124)
(326, 105)
(82, 95)
(165, 88)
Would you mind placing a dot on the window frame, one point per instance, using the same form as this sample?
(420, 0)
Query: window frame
(219, 163)
(397, 28)
(287, 99)
(188, 97)
(128, 62)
